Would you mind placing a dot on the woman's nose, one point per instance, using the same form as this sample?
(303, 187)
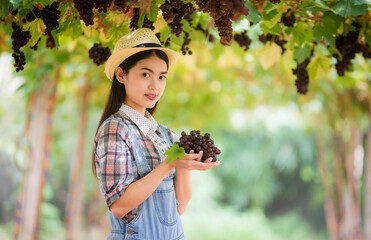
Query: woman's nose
(154, 84)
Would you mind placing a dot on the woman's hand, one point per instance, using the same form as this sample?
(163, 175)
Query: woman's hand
(192, 161)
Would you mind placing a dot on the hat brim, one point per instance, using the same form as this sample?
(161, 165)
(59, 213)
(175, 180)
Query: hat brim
(118, 57)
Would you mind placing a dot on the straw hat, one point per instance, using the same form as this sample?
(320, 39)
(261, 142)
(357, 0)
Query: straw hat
(136, 41)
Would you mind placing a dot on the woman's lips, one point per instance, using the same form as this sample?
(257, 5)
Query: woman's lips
(151, 97)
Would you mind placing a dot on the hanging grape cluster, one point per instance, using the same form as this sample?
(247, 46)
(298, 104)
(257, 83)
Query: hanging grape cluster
(302, 80)
(121, 6)
(243, 40)
(348, 46)
(273, 38)
(288, 18)
(85, 8)
(223, 13)
(186, 41)
(32, 15)
(174, 11)
(197, 142)
(50, 15)
(99, 54)
(135, 20)
(19, 39)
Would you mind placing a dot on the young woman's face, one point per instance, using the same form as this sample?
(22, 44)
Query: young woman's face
(145, 83)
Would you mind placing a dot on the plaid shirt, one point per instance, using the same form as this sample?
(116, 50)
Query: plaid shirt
(116, 169)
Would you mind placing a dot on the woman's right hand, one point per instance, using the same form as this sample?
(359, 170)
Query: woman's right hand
(192, 161)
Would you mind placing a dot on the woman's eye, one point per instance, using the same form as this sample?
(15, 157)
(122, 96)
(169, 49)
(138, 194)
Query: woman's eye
(162, 77)
(145, 75)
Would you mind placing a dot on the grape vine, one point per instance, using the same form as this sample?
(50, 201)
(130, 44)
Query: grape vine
(183, 19)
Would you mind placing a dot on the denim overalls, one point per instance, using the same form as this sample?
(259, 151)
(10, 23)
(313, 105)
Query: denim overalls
(158, 218)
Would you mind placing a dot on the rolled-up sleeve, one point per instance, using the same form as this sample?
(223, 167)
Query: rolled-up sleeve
(113, 160)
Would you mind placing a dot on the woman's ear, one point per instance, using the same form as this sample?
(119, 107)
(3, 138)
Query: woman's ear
(120, 75)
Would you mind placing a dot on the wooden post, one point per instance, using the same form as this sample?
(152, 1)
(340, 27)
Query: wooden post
(39, 137)
(74, 206)
(367, 187)
(329, 206)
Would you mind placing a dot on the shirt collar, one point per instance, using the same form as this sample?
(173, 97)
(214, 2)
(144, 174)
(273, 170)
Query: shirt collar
(146, 124)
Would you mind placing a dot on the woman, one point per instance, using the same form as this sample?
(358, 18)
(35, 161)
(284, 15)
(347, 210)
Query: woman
(144, 194)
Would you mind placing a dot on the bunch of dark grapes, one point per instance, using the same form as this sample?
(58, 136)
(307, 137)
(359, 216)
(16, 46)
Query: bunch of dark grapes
(223, 12)
(196, 142)
(281, 43)
(99, 54)
(50, 15)
(302, 80)
(288, 18)
(102, 5)
(210, 37)
(19, 39)
(50, 41)
(224, 26)
(366, 51)
(266, 38)
(185, 48)
(32, 15)
(121, 5)
(148, 23)
(174, 11)
(275, 1)
(273, 38)
(243, 40)
(348, 46)
(85, 10)
(134, 20)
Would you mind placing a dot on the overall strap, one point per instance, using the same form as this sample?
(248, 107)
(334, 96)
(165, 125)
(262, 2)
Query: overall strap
(140, 159)
(164, 132)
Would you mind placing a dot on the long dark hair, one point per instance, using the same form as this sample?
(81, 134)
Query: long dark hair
(118, 93)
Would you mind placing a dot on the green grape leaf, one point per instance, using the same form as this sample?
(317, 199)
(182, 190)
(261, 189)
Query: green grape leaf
(141, 20)
(115, 33)
(16, 3)
(153, 12)
(323, 5)
(46, 2)
(302, 33)
(254, 15)
(4, 8)
(269, 55)
(174, 152)
(346, 8)
(272, 17)
(361, 2)
(165, 33)
(37, 29)
(27, 4)
(302, 52)
(318, 66)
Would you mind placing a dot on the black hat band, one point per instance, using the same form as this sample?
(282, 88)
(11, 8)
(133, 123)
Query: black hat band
(148, 45)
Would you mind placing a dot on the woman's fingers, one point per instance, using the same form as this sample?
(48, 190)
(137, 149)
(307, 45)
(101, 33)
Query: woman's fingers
(208, 160)
(196, 165)
(200, 156)
(190, 156)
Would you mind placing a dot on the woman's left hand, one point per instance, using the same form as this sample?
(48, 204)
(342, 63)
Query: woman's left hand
(192, 161)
